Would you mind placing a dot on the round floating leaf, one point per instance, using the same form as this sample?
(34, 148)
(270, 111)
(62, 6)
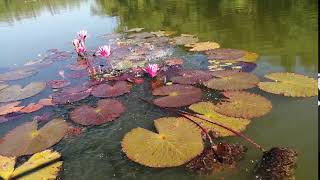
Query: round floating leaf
(107, 110)
(56, 84)
(141, 35)
(10, 108)
(203, 46)
(164, 33)
(231, 80)
(7, 164)
(244, 105)
(134, 30)
(184, 39)
(191, 77)
(17, 74)
(46, 102)
(249, 57)
(207, 109)
(16, 92)
(174, 61)
(70, 95)
(225, 54)
(106, 90)
(2, 86)
(177, 95)
(77, 67)
(32, 107)
(26, 139)
(290, 84)
(177, 142)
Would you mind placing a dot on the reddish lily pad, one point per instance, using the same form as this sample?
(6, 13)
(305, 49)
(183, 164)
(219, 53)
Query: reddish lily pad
(225, 54)
(107, 110)
(177, 95)
(10, 108)
(17, 74)
(32, 107)
(174, 61)
(70, 95)
(107, 90)
(191, 77)
(56, 84)
(26, 139)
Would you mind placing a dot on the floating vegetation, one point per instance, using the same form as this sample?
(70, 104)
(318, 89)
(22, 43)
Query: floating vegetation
(232, 80)
(32, 107)
(202, 46)
(2, 86)
(290, 84)
(207, 109)
(225, 54)
(243, 104)
(17, 74)
(48, 159)
(177, 95)
(184, 39)
(57, 84)
(70, 95)
(17, 92)
(177, 142)
(191, 77)
(26, 139)
(106, 90)
(106, 110)
(8, 108)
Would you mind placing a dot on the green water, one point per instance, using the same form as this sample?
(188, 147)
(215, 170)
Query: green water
(284, 33)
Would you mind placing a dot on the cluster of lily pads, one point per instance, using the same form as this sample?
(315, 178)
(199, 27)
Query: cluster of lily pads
(125, 62)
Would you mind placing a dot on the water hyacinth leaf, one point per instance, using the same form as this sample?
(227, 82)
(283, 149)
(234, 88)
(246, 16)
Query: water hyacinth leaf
(107, 110)
(191, 77)
(207, 109)
(10, 108)
(106, 90)
(56, 84)
(16, 92)
(177, 142)
(232, 80)
(184, 39)
(26, 139)
(244, 105)
(225, 54)
(202, 46)
(177, 95)
(290, 84)
(70, 95)
(50, 171)
(32, 107)
(17, 74)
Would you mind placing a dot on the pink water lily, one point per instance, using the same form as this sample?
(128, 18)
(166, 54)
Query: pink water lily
(83, 35)
(152, 69)
(104, 51)
(79, 46)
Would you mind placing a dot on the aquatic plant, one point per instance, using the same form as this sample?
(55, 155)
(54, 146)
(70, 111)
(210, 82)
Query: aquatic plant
(79, 44)
(104, 51)
(152, 70)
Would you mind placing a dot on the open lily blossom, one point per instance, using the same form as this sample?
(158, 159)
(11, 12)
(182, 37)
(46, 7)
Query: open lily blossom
(104, 51)
(152, 69)
(83, 35)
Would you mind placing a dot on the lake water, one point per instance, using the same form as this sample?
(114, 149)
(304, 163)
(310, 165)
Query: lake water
(284, 34)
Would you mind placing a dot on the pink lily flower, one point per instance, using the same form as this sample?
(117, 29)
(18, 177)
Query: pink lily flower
(104, 51)
(152, 69)
(82, 48)
(83, 35)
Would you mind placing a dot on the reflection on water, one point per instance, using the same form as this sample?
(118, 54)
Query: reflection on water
(284, 33)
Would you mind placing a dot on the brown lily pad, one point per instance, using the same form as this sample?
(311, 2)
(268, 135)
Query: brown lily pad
(17, 74)
(225, 54)
(106, 110)
(184, 39)
(70, 95)
(177, 95)
(231, 80)
(27, 139)
(174, 61)
(32, 107)
(107, 90)
(16, 92)
(56, 84)
(10, 108)
(242, 104)
(202, 46)
(191, 77)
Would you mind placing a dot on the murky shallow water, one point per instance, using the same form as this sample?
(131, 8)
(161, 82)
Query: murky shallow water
(283, 33)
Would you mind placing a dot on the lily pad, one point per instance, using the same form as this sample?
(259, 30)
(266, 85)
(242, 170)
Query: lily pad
(184, 39)
(191, 77)
(177, 95)
(202, 46)
(70, 95)
(134, 30)
(107, 90)
(231, 80)
(244, 105)
(26, 139)
(56, 84)
(17, 74)
(164, 33)
(10, 108)
(32, 107)
(174, 61)
(225, 54)
(107, 110)
(141, 35)
(2, 86)
(7, 165)
(207, 109)
(16, 92)
(177, 142)
(290, 84)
